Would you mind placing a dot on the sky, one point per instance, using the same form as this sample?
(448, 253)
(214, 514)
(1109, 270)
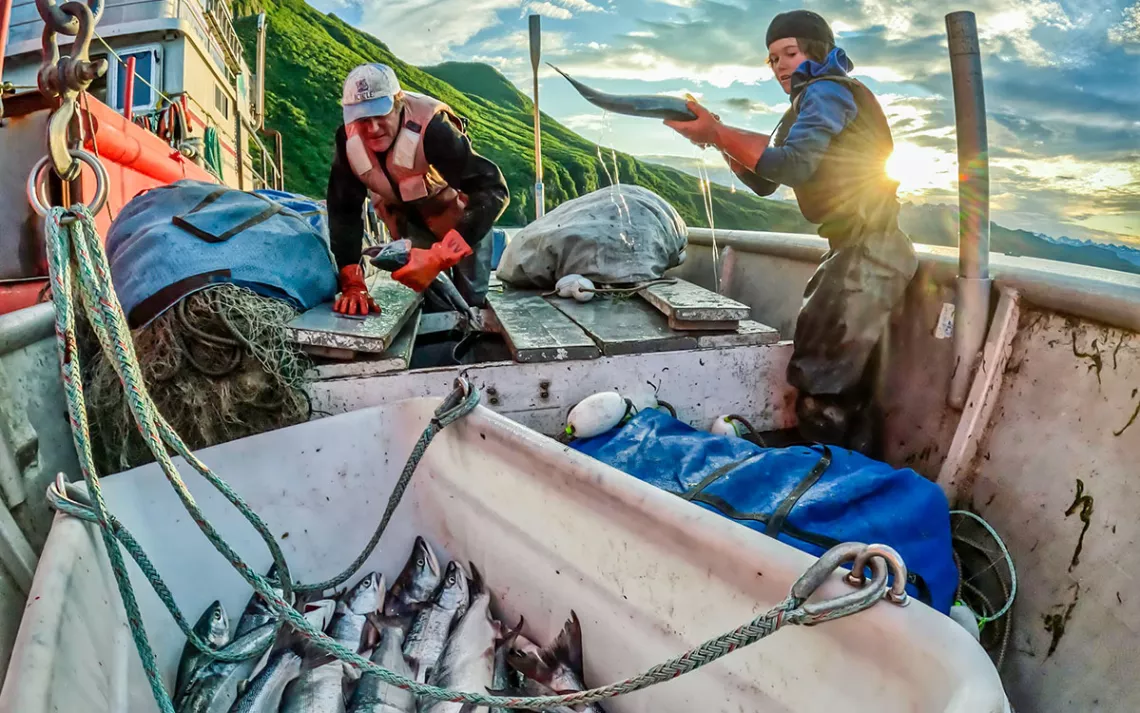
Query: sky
(1062, 81)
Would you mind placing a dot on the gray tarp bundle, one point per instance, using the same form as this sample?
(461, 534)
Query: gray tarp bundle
(618, 234)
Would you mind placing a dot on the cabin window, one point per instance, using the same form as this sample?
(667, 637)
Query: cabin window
(147, 75)
(221, 101)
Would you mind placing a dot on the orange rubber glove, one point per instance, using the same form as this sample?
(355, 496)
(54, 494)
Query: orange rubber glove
(425, 265)
(354, 298)
(742, 146)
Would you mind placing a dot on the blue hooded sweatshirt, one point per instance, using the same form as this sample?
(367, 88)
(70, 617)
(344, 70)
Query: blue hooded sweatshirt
(826, 109)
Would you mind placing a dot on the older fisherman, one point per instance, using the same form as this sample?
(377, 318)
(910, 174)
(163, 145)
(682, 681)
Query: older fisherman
(411, 155)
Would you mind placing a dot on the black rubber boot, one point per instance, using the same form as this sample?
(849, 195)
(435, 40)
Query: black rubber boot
(823, 419)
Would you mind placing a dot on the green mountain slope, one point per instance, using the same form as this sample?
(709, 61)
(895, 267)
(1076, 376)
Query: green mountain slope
(308, 55)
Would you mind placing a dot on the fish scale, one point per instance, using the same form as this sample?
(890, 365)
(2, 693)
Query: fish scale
(373, 695)
(317, 690)
(214, 687)
(429, 631)
(264, 692)
(365, 598)
(468, 661)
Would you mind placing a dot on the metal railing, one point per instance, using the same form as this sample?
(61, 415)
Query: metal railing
(221, 21)
(263, 166)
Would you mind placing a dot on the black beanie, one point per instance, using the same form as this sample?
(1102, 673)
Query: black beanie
(799, 24)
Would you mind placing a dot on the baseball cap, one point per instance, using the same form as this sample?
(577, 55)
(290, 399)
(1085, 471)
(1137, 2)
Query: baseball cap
(369, 90)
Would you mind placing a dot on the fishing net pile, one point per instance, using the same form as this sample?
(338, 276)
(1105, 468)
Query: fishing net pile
(219, 366)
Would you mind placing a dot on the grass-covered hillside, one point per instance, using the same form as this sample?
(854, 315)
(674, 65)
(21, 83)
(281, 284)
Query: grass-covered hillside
(308, 55)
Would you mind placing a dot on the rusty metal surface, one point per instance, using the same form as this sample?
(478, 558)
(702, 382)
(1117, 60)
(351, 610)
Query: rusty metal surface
(21, 145)
(701, 384)
(1057, 478)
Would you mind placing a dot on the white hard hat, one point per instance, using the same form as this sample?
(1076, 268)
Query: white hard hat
(369, 90)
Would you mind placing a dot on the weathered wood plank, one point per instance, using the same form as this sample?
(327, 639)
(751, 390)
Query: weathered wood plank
(748, 334)
(623, 325)
(703, 325)
(683, 300)
(396, 358)
(535, 331)
(321, 327)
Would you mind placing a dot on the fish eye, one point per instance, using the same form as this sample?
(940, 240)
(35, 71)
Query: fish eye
(420, 562)
(451, 579)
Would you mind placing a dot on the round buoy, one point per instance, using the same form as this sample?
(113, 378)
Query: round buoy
(575, 287)
(597, 414)
(966, 618)
(725, 425)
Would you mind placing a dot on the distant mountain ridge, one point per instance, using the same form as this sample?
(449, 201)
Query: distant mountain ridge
(937, 224)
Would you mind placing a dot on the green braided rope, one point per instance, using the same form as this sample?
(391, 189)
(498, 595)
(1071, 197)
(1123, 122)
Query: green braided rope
(99, 299)
(59, 267)
(449, 415)
(110, 325)
(131, 545)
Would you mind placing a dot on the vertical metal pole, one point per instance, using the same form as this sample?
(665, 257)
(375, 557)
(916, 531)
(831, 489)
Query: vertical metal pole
(129, 91)
(972, 307)
(5, 20)
(973, 147)
(259, 89)
(535, 56)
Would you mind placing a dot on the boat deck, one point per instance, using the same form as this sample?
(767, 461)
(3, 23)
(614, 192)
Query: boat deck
(536, 327)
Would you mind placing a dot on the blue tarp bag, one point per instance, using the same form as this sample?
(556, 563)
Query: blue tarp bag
(808, 497)
(171, 241)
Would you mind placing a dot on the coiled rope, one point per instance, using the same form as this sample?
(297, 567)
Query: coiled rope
(74, 249)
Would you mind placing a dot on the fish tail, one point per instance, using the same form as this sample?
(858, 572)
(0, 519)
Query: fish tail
(567, 647)
(509, 637)
(477, 586)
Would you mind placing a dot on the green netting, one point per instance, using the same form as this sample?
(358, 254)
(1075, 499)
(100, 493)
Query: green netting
(219, 365)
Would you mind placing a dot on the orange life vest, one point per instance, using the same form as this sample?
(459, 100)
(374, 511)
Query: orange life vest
(416, 181)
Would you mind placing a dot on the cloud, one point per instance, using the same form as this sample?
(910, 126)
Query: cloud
(423, 31)
(517, 42)
(683, 93)
(560, 9)
(751, 106)
(649, 66)
(1127, 33)
(580, 6)
(583, 123)
(546, 10)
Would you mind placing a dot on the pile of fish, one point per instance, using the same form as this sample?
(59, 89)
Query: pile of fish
(433, 625)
